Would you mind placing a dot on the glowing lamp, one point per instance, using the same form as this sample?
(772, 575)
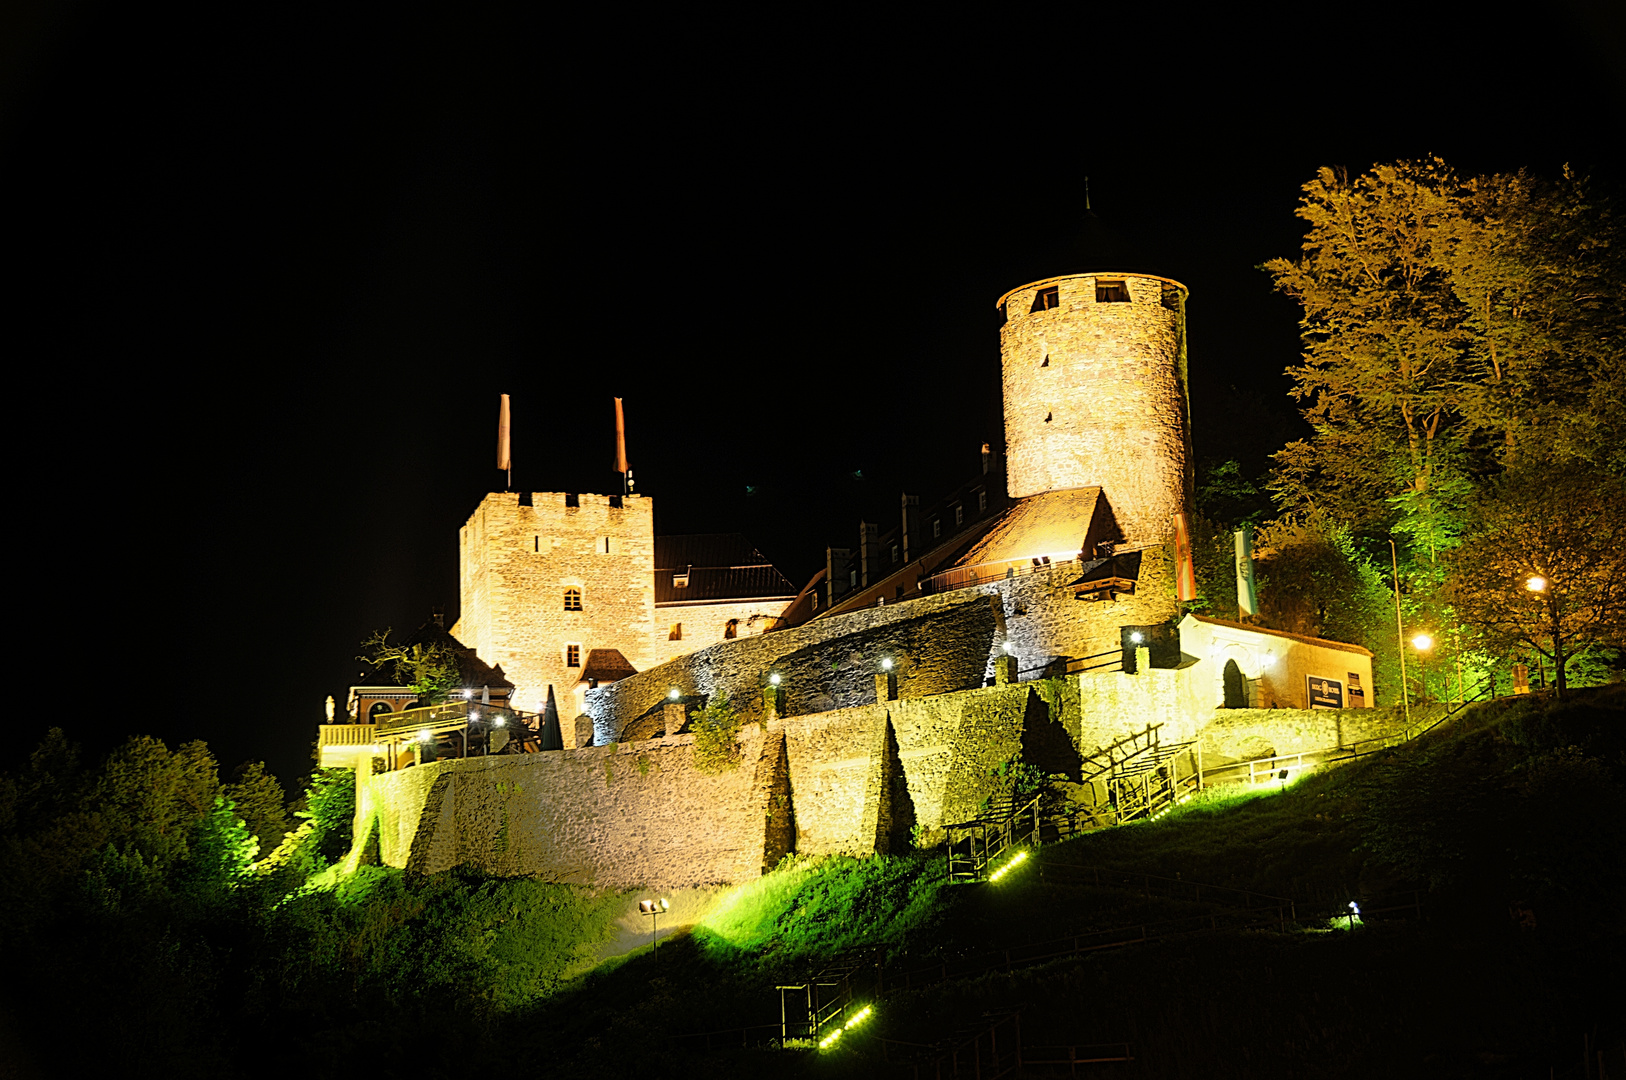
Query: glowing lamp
(1135, 637)
(1536, 584)
(424, 735)
(886, 665)
(1422, 642)
(468, 695)
(499, 722)
(774, 678)
(672, 693)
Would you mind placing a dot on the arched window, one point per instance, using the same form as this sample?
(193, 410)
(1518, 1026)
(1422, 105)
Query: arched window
(732, 628)
(380, 708)
(573, 599)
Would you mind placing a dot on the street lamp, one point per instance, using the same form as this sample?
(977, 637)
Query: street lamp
(1536, 584)
(653, 909)
(1422, 643)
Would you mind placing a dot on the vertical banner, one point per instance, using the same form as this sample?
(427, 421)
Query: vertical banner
(503, 461)
(620, 439)
(1185, 575)
(1246, 602)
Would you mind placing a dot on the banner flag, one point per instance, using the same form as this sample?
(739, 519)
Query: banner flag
(1185, 575)
(620, 439)
(503, 460)
(1247, 603)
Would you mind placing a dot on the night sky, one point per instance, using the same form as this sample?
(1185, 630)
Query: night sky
(269, 272)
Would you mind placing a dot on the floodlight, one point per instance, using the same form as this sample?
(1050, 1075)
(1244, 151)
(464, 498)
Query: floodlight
(473, 716)
(646, 907)
(468, 694)
(672, 693)
(1353, 906)
(424, 735)
(1536, 584)
(499, 722)
(886, 665)
(1422, 642)
(1135, 637)
(774, 678)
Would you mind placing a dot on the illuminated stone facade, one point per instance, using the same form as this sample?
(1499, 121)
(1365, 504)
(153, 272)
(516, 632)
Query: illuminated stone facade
(518, 565)
(1096, 395)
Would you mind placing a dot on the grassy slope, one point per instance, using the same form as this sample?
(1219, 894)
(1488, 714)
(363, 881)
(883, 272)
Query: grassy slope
(1518, 801)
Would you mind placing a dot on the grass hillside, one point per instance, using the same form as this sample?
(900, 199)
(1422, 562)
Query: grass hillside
(1505, 829)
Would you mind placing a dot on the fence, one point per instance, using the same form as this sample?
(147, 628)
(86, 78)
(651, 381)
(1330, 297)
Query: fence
(984, 1053)
(455, 725)
(1105, 878)
(973, 845)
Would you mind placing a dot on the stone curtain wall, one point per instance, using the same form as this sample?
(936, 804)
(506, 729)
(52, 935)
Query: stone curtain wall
(868, 778)
(937, 643)
(1114, 393)
(1044, 621)
(516, 562)
(638, 814)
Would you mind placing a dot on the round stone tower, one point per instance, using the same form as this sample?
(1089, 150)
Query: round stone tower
(1096, 396)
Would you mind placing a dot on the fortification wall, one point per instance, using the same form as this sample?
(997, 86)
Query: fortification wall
(635, 814)
(874, 777)
(937, 644)
(1095, 395)
(707, 624)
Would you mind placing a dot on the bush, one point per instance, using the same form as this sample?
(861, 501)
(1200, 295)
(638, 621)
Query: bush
(716, 736)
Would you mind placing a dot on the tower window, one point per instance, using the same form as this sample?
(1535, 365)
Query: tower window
(1048, 417)
(573, 599)
(1111, 292)
(675, 633)
(731, 629)
(1046, 360)
(1045, 299)
(1171, 297)
(573, 656)
(572, 499)
(681, 580)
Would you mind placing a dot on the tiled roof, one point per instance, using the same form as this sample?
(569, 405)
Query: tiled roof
(606, 665)
(721, 566)
(1056, 523)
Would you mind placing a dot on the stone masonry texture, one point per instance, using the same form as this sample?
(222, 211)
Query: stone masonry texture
(1110, 408)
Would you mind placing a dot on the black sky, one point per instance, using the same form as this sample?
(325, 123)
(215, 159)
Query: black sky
(271, 268)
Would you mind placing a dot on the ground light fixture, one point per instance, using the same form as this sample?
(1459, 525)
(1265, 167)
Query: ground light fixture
(1016, 860)
(1354, 912)
(653, 908)
(857, 1018)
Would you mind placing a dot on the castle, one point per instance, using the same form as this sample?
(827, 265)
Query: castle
(1031, 615)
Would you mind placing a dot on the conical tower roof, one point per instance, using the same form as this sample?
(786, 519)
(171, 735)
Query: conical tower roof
(551, 737)
(1090, 245)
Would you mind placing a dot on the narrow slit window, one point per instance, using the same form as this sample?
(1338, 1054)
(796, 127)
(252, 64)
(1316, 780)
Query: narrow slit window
(1046, 360)
(731, 629)
(675, 633)
(573, 599)
(1045, 299)
(1111, 292)
(572, 499)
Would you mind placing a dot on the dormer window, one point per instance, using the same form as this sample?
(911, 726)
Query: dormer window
(894, 553)
(1111, 292)
(1045, 299)
(982, 501)
(959, 516)
(937, 528)
(680, 580)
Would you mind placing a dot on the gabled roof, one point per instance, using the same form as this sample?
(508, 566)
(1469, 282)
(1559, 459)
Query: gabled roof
(721, 566)
(606, 665)
(1056, 524)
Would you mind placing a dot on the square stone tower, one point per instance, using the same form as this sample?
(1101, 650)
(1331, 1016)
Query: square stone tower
(545, 578)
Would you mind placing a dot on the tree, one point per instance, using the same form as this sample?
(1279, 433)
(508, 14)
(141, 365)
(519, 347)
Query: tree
(431, 671)
(1451, 328)
(259, 800)
(1544, 563)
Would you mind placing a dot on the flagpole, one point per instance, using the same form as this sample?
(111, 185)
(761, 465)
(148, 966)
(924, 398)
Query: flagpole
(505, 459)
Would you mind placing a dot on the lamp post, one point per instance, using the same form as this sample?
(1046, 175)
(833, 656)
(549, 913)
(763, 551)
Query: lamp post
(653, 909)
(1542, 589)
(1400, 630)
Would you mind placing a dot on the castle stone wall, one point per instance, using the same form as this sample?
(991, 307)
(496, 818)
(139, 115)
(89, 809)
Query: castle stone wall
(936, 644)
(516, 563)
(706, 624)
(1110, 408)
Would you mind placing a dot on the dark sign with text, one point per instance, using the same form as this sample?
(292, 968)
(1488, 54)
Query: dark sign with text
(1324, 693)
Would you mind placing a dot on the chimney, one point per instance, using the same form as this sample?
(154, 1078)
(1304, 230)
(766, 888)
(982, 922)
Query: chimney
(869, 550)
(986, 456)
(912, 546)
(837, 565)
